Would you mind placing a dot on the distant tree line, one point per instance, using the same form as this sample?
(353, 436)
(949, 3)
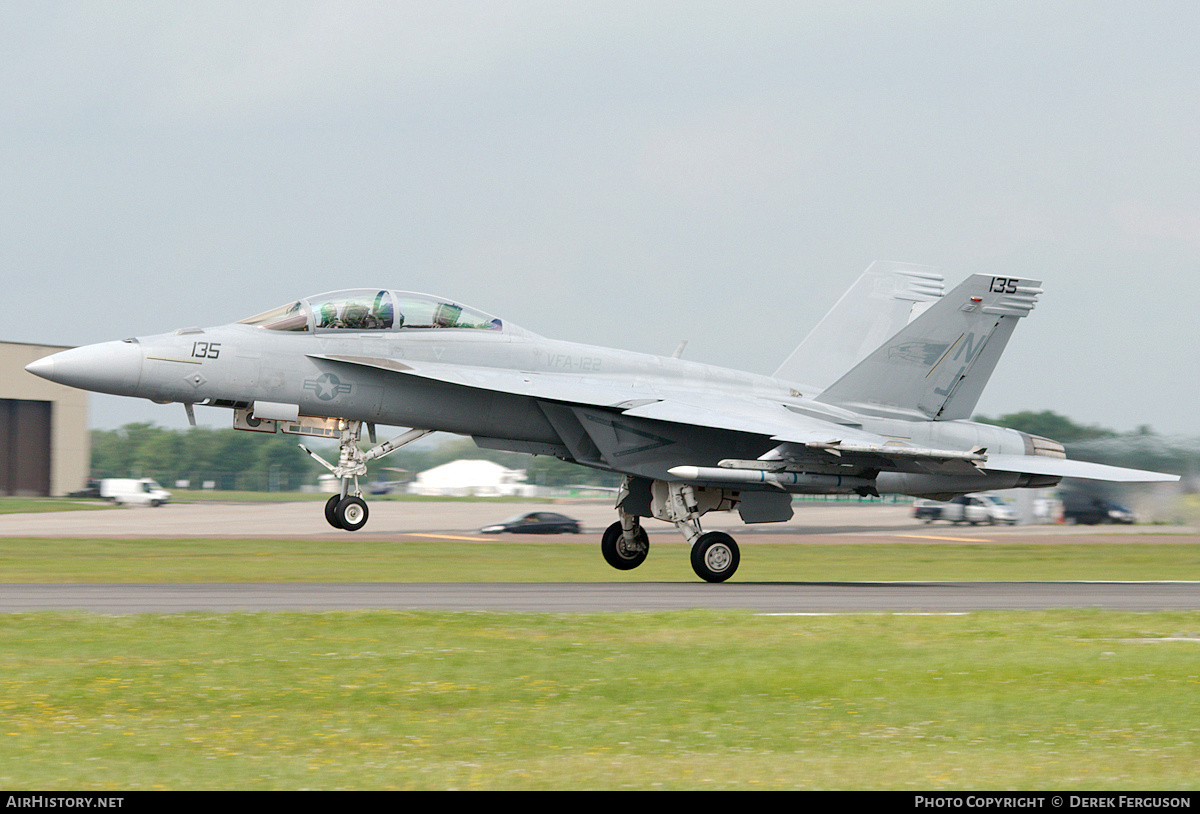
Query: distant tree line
(252, 461)
(228, 458)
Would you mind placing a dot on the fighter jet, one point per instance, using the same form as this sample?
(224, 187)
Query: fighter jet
(876, 400)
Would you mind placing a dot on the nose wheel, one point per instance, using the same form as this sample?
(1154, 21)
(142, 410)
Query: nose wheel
(352, 513)
(331, 511)
(346, 513)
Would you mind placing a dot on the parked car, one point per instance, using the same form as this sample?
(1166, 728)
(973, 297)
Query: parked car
(535, 523)
(927, 510)
(971, 509)
(999, 511)
(139, 492)
(1090, 510)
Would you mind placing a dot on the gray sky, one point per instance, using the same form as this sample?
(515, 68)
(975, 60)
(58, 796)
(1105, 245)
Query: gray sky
(620, 173)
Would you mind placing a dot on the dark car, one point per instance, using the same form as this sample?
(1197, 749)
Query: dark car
(536, 523)
(91, 490)
(1090, 510)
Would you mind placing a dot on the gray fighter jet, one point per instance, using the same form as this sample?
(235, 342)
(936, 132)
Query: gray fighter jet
(874, 401)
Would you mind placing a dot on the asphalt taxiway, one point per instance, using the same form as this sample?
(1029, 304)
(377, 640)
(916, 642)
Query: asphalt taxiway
(779, 598)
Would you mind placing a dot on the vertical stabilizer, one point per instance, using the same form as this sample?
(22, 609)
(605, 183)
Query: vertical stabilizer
(883, 300)
(936, 366)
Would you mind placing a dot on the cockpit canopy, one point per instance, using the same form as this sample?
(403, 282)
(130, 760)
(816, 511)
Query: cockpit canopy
(368, 309)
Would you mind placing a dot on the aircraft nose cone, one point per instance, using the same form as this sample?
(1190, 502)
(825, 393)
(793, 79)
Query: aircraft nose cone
(43, 367)
(109, 367)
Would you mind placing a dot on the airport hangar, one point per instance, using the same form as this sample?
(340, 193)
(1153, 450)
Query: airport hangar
(44, 439)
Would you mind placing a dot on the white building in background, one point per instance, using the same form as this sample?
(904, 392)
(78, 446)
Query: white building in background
(472, 478)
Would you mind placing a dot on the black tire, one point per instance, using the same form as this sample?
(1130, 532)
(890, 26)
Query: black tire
(618, 554)
(331, 511)
(715, 556)
(352, 513)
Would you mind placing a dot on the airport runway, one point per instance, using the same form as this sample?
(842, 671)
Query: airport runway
(396, 520)
(388, 518)
(392, 520)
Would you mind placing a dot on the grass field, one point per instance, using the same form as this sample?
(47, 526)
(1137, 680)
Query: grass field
(23, 505)
(1074, 700)
(692, 700)
(433, 558)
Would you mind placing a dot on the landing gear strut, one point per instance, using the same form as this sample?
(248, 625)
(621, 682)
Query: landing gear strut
(347, 510)
(715, 555)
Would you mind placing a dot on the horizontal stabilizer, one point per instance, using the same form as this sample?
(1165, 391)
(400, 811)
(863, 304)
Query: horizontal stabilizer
(1065, 468)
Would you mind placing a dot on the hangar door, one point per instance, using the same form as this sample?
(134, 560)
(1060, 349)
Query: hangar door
(24, 447)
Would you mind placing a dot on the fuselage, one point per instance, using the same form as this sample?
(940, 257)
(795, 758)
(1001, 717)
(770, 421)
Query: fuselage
(437, 378)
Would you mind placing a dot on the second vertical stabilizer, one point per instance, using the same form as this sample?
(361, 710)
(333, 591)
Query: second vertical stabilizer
(883, 300)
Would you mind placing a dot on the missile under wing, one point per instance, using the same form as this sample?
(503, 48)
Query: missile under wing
(876, 400)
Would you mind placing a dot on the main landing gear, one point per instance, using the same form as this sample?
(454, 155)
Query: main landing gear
(715, 556)
(347, 510)
(625, 545)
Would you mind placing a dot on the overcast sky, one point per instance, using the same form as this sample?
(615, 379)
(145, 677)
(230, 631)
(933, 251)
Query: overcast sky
(619, 173)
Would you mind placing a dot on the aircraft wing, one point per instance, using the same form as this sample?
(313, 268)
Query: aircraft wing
(820, 439)
(759, 416)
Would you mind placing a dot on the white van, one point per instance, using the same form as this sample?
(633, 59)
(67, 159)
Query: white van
(981, 508)
(143, 492)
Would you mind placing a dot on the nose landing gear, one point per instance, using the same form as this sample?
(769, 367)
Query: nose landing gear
(347, 510)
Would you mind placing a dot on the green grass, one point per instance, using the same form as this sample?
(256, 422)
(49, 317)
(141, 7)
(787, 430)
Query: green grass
(1063, 700)
(25, 505)
(572, 559)
(1073, 700)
